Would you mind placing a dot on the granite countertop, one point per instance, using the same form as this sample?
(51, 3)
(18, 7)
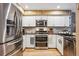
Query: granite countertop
(61, 34)
(29, 34)
(64, 34)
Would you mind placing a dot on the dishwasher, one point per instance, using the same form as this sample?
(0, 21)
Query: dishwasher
(69, 46)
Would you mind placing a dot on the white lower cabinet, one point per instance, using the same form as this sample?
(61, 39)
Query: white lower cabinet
(29, 41)
(56, 41)
(52, 41)
(60, 44)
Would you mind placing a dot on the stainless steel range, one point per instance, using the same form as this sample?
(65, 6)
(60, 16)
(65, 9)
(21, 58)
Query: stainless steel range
(41, 30)
(41, 42)
(41, 38)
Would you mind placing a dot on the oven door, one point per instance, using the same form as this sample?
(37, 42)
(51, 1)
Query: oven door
(41, 39)
(41, 42)
(12, 46)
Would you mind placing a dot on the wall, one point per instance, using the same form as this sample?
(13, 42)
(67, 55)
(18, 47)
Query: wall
(73, 23)
(77, 32)
(61, 29)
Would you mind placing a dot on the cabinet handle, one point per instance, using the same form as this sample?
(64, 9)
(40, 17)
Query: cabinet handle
(11, 43)
(60, 41)
(32, 40)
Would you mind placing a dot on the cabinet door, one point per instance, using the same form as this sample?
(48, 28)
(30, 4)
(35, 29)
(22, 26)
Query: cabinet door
(51, 21)
(44, 17)
(38, 17)
(25, 21)
(54, 41)
(30, 41)
(32, 20)
(62, 21)
(55, 21)
(60, 44)
(67, 20)
(51, 41)
(58, 20)
(41, 17)
(28, 21)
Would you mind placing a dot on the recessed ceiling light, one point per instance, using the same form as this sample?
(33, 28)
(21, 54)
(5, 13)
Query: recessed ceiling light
(58, 6)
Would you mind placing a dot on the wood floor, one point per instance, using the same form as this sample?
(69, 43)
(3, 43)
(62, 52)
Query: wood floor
(34, 52)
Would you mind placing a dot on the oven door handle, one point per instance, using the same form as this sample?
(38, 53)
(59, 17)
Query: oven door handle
(11, 43)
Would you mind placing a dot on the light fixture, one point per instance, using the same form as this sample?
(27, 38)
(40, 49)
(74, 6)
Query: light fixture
(58, 6)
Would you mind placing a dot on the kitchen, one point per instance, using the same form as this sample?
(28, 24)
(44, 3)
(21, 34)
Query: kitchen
(34, 29)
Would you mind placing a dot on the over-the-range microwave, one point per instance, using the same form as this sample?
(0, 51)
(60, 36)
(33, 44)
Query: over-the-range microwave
(41, 23)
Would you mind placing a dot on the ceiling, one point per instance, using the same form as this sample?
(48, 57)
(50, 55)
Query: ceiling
(49, 6)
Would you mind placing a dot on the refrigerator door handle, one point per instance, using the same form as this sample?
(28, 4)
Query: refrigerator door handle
(11, 43)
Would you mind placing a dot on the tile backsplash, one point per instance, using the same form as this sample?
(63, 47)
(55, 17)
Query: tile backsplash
(29, 30)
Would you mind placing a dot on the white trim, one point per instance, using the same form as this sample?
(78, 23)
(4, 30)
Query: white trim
(19, 8)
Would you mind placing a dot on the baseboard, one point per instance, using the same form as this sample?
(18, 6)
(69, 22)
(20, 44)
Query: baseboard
(30, 48)
(34, 48)
(52, 48)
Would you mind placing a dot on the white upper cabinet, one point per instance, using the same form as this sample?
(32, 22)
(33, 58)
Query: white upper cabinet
(58, 21)
(51, 20)
(38, 17)
(28, 21)
(67, 20)
(41, 17)
(44, 17)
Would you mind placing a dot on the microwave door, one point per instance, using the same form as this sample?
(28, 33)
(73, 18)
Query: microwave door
(44, 23)
(41, 23)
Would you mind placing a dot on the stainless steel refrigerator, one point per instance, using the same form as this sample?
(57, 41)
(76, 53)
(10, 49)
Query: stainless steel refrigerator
(10, 30)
